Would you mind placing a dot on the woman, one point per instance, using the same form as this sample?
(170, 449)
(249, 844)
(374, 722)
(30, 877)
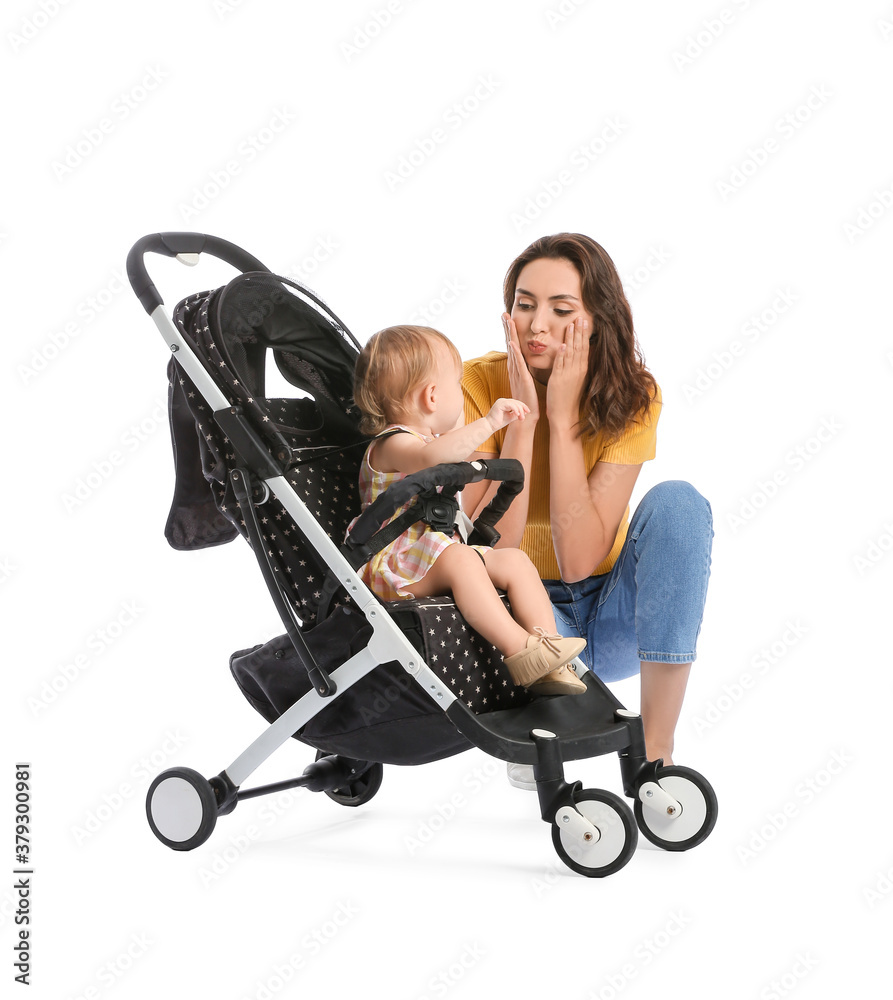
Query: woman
(634, 588)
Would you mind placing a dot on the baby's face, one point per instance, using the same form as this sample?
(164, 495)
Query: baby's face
(448, 380)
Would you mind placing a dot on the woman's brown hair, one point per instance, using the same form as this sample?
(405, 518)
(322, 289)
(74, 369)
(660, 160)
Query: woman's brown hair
(620, 388)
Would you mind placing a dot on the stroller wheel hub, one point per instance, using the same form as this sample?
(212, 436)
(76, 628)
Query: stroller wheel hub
(653, 796)
(576, 826)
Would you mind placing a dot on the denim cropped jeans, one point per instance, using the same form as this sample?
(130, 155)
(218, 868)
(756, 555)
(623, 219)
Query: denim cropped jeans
(649, 605)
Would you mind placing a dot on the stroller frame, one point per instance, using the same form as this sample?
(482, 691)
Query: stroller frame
(594, 831)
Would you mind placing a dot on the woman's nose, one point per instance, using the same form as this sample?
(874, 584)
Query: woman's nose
(539, 323)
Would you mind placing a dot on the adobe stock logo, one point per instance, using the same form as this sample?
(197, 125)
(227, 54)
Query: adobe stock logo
(791, 978)
(378, 21)
(102, 469)
(94, 135)
(581, 159)
(877, 548)
(785, 128)
(58, 683)
(35, 22)
(778, 820)
(750, 332)
(641, 275)
(88, 309)
(710, 29)
(869, 213)
(321, 252)
(642, 956)
(795, 461)
(453, 118)
(761, 664)
(247, 151)
(429, 313)
(223, 8)
(562, 12)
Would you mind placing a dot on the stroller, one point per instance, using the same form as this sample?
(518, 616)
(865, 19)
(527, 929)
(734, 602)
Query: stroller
(364, 683)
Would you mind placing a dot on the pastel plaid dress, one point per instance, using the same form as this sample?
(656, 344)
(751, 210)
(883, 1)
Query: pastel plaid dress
(409, 557)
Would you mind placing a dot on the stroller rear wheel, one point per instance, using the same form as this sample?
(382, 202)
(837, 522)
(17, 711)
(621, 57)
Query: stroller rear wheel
(604, 843)
(359, 788)
(181, 808)
(695, 820)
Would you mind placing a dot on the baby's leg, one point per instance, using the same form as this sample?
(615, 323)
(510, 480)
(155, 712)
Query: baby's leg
(459, 570)
(512, 571)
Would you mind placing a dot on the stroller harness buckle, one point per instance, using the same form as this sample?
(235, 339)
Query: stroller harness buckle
(439, 511)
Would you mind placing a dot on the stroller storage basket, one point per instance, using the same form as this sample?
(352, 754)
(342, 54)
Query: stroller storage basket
(384, 717)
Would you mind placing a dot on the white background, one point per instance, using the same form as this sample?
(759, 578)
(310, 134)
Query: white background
(749, 168)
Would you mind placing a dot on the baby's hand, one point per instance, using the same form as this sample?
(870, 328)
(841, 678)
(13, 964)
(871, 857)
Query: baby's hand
(504, 411)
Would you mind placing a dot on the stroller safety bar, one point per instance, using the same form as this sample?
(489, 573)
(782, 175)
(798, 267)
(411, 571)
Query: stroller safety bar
(451, 476)
(180, 245)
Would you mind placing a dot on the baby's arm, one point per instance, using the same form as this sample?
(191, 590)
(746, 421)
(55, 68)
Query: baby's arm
(406, 453)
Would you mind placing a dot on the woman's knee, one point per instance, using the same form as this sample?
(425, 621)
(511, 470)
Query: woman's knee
(677, 504)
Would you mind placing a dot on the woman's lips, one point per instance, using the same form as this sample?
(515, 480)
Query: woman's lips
(535, 348)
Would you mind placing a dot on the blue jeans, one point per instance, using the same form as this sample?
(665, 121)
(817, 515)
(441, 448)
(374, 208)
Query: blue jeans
(649, 605)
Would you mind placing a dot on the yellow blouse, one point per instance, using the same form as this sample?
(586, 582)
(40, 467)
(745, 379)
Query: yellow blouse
(486, 379)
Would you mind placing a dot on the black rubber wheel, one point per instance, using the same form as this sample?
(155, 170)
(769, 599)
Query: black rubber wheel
(617, 835)
(181, 808)
(358, 789)
(697, 818)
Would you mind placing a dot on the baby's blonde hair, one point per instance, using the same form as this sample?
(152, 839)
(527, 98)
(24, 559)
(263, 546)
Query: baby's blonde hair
(394, 363)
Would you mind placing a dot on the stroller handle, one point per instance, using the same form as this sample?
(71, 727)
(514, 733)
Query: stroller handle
(173, 244)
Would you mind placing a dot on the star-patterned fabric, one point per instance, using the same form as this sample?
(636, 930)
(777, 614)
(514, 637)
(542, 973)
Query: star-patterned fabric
(327, 486)
(235, 356)
(469, 665)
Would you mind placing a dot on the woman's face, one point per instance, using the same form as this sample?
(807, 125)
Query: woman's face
(548, 298)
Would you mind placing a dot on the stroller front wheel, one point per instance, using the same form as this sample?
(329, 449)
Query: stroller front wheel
(693, 824)
(181, 808)
(606, 848)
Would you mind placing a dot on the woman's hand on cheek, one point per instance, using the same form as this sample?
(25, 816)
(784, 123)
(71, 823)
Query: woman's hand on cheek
(568, 378)
(520, 379)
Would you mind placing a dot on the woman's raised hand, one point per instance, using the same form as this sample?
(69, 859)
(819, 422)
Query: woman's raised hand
(569, 375)
(520, 379)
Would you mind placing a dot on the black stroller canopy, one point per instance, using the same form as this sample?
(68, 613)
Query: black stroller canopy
(313, 350)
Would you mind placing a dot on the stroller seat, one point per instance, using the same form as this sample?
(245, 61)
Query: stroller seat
(365, 683)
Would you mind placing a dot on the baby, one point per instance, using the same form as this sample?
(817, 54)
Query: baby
(409, 377)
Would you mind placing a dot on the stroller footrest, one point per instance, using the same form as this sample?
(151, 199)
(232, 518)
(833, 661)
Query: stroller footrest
(584, 724)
